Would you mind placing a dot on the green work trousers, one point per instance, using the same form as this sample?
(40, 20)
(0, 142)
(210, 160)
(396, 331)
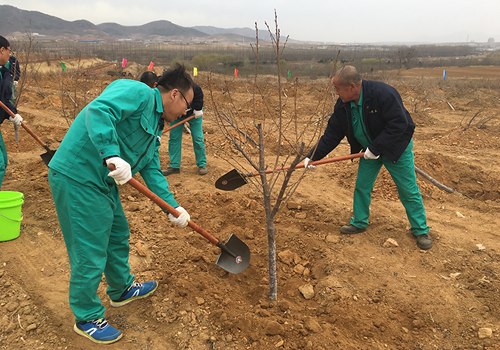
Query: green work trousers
(3, 159)
(403, 174)
(175, 142)
(96, 234)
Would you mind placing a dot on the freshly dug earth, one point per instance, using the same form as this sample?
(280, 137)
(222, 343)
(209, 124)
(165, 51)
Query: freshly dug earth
(334, 291)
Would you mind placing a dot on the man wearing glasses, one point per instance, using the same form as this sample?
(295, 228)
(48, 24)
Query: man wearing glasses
(120, 129)
(196, 125)
(6, 77)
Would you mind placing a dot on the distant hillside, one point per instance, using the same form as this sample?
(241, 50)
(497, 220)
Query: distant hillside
(14, 20)
(162, 28)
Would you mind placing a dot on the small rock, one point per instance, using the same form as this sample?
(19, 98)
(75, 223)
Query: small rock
(299, 269)
(306, 272)
(141, 250)
(229, 338)
(390, 243)
(484, 333)
(31, 327)
(292, 205)
(405, 330)
(307, 291)
(1, 273)
(301, 215)
(332, 239)
(249, 235)
(418, 323)
(460, 215)
(280, 343)
(480, 247)
(312, 325)
(11, 327)
(200, 301)
(286, 256)
(12, 306)
(273, 328)
(133, 207)
(263, 313)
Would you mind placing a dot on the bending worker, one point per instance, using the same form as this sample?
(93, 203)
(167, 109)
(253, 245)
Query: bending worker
(175, 139)
(6, 77)
(121, 127)
(372, 116)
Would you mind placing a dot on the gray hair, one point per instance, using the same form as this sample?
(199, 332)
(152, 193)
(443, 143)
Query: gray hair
(347, 75)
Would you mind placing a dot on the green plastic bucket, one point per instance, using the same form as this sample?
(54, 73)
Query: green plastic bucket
(10, 214)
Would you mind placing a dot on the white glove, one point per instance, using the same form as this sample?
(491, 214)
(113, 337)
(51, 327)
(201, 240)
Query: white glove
(369, 154)
(17, 120)
(122, 172)
(198, 114)
(183, 219)
(307, 161)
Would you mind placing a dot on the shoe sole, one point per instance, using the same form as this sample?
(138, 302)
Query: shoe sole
(125, 302)
(86, 335)
(349, 232)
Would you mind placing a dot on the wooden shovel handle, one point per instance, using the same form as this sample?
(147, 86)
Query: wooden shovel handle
(179, 123)
(6, 109)
(317, 162)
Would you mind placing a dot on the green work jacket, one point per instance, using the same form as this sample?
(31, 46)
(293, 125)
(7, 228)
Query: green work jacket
(125, 120)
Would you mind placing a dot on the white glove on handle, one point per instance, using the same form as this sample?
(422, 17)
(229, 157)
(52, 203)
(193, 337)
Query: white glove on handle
(306, 162)
(17, 120)
(198, 114)
(183, 219)
(369, 154)
(122, 172)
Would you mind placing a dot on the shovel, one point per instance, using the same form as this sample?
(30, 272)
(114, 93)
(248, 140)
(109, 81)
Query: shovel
(235, 254)
(234, 179)
(47, 156)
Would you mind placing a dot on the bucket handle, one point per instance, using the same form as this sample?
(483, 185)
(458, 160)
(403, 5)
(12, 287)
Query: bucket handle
(19, 220)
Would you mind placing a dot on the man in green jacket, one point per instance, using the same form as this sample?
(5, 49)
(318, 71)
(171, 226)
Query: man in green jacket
(121, 127)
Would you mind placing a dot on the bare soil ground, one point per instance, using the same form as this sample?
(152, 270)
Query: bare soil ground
(366, 296)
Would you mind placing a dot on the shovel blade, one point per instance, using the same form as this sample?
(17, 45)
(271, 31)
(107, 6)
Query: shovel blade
(241, 259)
(230, 181)
(47, 156)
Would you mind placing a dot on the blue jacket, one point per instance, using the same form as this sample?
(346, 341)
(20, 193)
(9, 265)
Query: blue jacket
(6, 93)
(388, 124)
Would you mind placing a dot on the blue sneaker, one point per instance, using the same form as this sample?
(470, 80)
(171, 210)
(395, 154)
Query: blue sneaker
(99, 331)
(134, 292)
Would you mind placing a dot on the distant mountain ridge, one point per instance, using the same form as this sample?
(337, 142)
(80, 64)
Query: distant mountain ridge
(14, 20)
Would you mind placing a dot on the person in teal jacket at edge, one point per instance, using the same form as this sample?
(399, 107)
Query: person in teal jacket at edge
(121, 127)
(372, 117)
(6, 78)
(175, 138)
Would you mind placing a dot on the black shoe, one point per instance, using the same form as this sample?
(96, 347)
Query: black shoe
(351, 229)
(424, 242)
(170, 171)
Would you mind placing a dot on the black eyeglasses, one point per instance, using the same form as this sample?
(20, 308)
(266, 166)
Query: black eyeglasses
(187, 103)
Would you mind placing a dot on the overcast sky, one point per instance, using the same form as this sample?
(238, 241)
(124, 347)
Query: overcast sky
(360, 21)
